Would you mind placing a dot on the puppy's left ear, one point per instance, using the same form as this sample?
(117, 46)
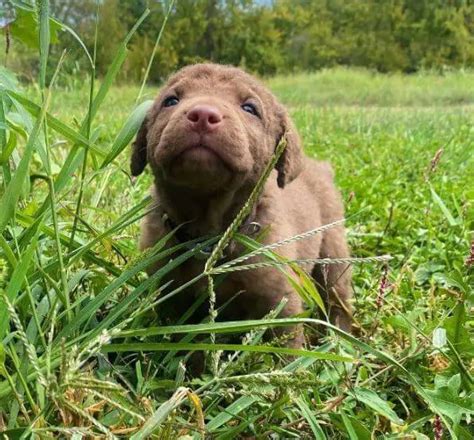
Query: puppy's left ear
(138, 160)
(291, 161)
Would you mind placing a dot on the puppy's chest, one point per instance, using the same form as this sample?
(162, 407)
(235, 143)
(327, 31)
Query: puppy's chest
(226, 285)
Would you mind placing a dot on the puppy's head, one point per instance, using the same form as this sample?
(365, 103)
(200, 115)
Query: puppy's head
(214, 127)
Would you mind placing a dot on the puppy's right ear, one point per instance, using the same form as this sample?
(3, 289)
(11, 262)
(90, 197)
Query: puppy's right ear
(291, 161)
(138, 160)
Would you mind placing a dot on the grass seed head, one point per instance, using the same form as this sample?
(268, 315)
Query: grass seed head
(470, 259)
(437, 428)
(434, 162)
(383, 286)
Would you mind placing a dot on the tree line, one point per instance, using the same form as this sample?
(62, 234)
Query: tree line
(268, 37)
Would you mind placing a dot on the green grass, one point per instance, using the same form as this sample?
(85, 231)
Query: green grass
(343, 86)
(59, 371)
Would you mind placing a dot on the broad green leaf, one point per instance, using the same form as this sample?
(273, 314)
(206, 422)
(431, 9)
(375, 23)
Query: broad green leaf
(457, 329)
(25, 28)
(447, 399)
(376, 403)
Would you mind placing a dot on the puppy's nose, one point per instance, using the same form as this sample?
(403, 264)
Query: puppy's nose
(204, 117)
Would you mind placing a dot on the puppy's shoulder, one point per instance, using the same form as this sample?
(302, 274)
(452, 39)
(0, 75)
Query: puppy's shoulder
(319, 177)
(318, 171)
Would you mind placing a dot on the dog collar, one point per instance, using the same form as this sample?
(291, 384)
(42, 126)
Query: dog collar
(249, 227)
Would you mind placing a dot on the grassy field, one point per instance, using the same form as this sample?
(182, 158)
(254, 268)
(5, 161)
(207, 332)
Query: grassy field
(84, 352)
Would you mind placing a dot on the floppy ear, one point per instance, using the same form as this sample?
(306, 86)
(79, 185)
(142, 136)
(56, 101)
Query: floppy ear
(290, 163)
(138, 160)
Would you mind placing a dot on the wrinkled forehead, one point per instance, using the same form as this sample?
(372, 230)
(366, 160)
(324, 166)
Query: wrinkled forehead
(216, 80)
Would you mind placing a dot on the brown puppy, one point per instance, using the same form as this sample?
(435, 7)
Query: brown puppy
(207, 139)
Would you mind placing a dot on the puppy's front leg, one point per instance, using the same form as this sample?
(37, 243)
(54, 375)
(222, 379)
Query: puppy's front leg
(334, 280)
(266, 289)
(292, 336)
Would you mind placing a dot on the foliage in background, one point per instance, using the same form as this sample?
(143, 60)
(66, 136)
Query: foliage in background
(266, 37)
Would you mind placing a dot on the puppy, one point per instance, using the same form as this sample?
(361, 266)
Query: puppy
(207, 138)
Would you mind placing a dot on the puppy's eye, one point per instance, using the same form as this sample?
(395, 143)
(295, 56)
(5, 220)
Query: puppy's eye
(170, 101)
(250, 108)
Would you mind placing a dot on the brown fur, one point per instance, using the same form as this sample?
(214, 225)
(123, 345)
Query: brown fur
(205, 189)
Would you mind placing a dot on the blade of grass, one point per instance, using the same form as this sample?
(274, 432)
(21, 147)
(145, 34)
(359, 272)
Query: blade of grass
(3, 140)
(312, 261)
(444, 209)
(129, 129)
(125, 220)
(114, 67)
(353, 340)
(18, 278)
(311, 419)
(7, 252)
(10, 197)
(161, 414)
(76, 156)
(54, 123)
(97, 302)
(44, 40)
(64, 295)
(166, 346)
(153, 53)
(87, 130)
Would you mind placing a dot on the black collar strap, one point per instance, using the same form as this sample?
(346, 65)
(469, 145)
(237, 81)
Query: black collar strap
(248, 228)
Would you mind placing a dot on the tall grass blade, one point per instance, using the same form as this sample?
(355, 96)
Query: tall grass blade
(129, 129)
(54, 123)
(155, 47)
(444, 209)
(168, 346)
(44, 40)
(161, 414)
(10, 198)
(310, 417)
(75, 157)
(18, 278)
(114, 67)
(145, 262)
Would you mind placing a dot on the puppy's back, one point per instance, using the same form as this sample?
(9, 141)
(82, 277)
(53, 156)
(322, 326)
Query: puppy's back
(318, 177)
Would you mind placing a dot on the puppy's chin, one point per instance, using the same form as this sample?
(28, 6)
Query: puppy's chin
(200, 169)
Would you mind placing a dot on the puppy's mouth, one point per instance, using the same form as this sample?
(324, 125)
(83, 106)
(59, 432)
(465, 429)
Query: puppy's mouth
(201, 153)
(193, 159)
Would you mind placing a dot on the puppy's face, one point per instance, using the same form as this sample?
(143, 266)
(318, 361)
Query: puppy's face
(213, 128)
